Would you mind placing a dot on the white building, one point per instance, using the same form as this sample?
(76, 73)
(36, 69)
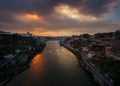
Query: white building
(91, 54)
(26, 35)
(8, 56)
(86, 49)
(5, 33)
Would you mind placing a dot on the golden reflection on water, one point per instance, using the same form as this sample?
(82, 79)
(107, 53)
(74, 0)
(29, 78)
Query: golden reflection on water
(37, 64)
(36, 59)
(55, 66)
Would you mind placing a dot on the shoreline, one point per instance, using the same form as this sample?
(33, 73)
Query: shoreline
(101, 80)
(19, 69)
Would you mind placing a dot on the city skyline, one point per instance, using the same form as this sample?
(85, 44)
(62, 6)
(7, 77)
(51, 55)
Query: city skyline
(59, 17)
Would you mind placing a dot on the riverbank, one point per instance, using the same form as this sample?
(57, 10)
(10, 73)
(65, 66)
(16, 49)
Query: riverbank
(98, 76)
(55, 66)
(17, 64)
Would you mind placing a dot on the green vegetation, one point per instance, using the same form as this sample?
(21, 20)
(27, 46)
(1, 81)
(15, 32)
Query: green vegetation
(108, 66)
(21, 48)
(86, 36)
(10, 44)
(99, 43)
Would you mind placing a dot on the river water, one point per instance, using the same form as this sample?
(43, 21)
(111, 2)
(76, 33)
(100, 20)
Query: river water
(55, 66)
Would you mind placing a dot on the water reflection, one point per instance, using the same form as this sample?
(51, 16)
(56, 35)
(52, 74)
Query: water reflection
(56, 66)
(37, 67)
(36, 59)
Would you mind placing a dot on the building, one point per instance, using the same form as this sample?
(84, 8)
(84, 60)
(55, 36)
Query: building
(26, 35)
(108, 50)
(85, 49)
(91, 54)
(5, 33)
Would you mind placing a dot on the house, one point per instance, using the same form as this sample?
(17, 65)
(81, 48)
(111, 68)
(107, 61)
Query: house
(8, 56)
(85, 49)
(91, 54)
(108, 50)
(75, 37)
(26, 35)
(5, 33)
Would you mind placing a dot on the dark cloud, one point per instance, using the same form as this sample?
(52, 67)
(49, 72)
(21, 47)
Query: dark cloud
(98, 7)
(95, 7)
(67, 23)
(45, 8)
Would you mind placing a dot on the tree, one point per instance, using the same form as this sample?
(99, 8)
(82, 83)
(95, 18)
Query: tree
(100, 49)
(99, 35)
(86, 36)
(117, 34)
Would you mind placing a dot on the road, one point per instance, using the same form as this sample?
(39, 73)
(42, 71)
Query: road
(55, 66)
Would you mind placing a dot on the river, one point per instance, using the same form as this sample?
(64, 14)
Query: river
(55, 66)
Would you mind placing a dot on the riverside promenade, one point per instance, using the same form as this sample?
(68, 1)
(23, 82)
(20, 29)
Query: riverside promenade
(96, 73)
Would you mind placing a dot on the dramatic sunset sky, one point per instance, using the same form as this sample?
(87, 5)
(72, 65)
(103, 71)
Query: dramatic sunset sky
(59, 17)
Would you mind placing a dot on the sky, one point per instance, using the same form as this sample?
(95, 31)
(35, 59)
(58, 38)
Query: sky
(59, 17)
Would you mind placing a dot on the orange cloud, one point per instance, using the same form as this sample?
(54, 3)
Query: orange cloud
(32, 16)
(28, 17)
